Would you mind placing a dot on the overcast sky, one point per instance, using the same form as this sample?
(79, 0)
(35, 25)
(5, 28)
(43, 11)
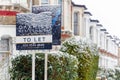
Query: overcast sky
(106, 11)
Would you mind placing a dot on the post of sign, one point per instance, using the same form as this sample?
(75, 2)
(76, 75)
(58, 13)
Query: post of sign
(33, 66)
(33, 59)
(33, 54)
(45, 70)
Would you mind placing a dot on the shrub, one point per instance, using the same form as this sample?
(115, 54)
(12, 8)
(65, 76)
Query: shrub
(60, 67)
(87, 54)
(117, 73)
(63, 66)
(78, 60)
(21, 68)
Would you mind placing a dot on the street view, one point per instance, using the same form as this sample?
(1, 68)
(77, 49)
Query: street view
(55, 40)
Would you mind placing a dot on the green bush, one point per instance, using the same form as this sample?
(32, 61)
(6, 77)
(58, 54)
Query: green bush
(87, 54)
(21, 68)
(78, 60)
(64, 66)
(117, 73)
(60, 67)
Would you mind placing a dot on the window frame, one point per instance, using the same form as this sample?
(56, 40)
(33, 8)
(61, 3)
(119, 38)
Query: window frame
(76, 23)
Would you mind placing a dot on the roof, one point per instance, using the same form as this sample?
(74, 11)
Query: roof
(77, 5)
(88, 13)
(114, 40)
(103, 30)
(92, 20)
(100, 25)
(106, 32)
(110, 36)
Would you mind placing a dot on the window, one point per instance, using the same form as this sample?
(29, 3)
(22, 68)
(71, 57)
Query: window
(59, 1)
(4, 45)
(97, 36)
(107, 44)
(101, 40)
(91, 33)
(84, 28)
(76, 29)
(44, 1)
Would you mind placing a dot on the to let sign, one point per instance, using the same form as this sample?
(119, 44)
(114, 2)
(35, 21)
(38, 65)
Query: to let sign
(33, 31)
(56, 11)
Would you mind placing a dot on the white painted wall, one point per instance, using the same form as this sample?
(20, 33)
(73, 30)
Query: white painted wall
(107, 62)
(67, 15)
(98, 35)
(8, 30)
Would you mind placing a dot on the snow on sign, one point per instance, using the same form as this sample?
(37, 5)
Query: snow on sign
(56, 11)
(33, 31)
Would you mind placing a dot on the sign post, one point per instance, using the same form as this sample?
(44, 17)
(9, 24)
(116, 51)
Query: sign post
(33, 54)
(33, 66)
(34, 32)
(45, 71)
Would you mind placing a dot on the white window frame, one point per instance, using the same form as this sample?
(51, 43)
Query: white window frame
(76, 23)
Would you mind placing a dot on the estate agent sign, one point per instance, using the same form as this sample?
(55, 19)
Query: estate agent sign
(33, 31)
(56, 11)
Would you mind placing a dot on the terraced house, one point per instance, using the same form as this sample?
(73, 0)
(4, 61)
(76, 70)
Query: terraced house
(8, 11)
(76, 21)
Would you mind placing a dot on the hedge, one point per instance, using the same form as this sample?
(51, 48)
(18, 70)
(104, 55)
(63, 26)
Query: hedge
(76, 60)
(87, 54)
(60, 67)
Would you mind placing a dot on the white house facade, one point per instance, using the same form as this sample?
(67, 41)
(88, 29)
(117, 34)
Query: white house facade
(8, 11)
(108, 48)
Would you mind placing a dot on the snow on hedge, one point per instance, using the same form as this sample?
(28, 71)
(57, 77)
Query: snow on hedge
(71, 58)
(82, 44)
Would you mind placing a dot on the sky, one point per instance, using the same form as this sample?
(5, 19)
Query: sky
(106, 11)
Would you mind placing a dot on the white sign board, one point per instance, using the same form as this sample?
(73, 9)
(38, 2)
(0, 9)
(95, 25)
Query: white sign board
(33, 31)
(34, 39)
